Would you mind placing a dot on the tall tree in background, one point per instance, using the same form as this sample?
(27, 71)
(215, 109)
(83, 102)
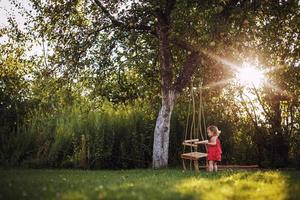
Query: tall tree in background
(170, 89)
(119, 27)
(165, 18)
(191, 28)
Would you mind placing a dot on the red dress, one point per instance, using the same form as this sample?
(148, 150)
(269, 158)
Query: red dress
(214, 152)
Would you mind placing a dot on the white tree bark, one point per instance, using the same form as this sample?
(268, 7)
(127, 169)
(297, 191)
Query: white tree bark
(162, 131)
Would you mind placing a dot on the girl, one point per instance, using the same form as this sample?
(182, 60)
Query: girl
(214, 150)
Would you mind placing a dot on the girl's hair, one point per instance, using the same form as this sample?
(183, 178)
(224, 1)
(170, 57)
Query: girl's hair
(214, 129)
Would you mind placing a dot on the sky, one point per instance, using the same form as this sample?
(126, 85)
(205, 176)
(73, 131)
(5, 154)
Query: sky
(7, 9)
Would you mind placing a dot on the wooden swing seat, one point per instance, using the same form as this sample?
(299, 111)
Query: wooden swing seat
(193, 155)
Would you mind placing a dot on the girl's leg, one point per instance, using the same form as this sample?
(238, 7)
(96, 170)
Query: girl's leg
(210, 165)
(215, 166)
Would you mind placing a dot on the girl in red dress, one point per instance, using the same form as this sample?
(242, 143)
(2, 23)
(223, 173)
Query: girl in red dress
(214, 150)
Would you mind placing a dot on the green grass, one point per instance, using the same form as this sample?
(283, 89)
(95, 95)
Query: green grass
(148, 184)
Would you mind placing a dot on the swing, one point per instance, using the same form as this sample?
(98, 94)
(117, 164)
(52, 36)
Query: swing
(195, 129)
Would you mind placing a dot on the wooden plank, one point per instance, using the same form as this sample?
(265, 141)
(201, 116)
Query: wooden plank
(196, 165)
(199, 142)
(191, 140)
(183, 164)
(193, 155)
(189, 144)
(235, 166)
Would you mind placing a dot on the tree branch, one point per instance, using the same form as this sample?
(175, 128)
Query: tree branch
(116, 22)
(170, 4)
(190, 64)
(107, 13)
(187, 71)
(226, 12)
(182, 44)
(254, 120)
(165, 52)
(261, 103)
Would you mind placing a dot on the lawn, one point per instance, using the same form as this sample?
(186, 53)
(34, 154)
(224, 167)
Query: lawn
(148, 184)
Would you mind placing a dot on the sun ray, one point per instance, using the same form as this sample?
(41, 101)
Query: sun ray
(222, 60)
(215, 84)
(245, 75)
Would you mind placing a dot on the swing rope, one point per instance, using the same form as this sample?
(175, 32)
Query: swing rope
(187, 122)
(202, 116)
(195, 130)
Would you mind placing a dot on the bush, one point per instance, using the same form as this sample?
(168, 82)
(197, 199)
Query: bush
(120, 136)
(81, 136)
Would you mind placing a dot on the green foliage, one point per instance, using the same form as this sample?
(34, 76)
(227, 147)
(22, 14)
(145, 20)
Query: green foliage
(16, 146)
(143, 184)
(93, 135)
(110, 136)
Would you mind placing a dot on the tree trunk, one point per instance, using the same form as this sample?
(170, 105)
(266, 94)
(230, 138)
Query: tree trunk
(169, 90)
(279, 141)
(162, 131)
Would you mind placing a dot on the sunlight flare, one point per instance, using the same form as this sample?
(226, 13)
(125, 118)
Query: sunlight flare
(249, 75)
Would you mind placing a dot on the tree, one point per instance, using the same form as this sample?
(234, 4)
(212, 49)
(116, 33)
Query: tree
(167, 36)
(13, 85)
(143, 18)
(95, 37)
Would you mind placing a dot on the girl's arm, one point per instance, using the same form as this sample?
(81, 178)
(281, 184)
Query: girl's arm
(213, 141)
(202, 142)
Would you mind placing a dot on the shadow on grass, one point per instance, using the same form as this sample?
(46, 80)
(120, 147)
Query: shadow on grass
(293, 184)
